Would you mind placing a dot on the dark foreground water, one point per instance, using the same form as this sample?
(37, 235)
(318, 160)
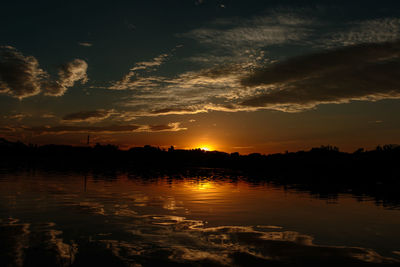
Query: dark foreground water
(54, 219)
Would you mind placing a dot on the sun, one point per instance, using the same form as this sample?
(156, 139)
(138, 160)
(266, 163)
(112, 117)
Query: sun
(205, 147)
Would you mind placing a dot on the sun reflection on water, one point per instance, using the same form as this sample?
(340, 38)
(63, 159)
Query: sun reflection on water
(196, 220)
(204, 186)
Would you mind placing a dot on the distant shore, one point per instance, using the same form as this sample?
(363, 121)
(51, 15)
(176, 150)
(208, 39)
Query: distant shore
(380, 164)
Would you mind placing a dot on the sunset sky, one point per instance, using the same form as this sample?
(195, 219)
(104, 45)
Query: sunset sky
(245, 76)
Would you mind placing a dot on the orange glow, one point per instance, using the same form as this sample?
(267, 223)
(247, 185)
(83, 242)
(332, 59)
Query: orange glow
(204, 186)
(205, 147)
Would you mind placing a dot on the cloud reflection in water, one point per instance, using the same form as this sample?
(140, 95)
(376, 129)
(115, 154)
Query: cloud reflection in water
(165, 239)
(134, 224)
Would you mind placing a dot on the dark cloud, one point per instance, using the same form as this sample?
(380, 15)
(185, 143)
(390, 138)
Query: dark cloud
(82, 129)
(167, 127)
(362, 72)
(6, 129)
(20, 76)
(94, 115)
(18, 116)
(173, 110)
(68, 74)
(108, 129)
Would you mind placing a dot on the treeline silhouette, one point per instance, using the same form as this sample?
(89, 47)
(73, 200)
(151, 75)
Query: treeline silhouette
(381, 163)
(324, 171)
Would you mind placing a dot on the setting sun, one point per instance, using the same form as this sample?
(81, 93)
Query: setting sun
(205, 147)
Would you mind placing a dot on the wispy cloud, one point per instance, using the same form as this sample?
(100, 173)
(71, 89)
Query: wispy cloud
(21, 76)
(170, 127)
(358, 61)
(187, 93)
(364, 72)
(217, 85)
(68, 74)
(133, 80)
(276, 28)
(108, 129)
(155, 62)
(93, 116)
(86, 44)
(368, 31)
(88, 116)
(48, 116)
(18, 116)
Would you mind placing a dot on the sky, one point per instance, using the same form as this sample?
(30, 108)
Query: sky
(235, 76)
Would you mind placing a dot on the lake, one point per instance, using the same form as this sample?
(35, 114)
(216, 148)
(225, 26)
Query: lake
(213, 219)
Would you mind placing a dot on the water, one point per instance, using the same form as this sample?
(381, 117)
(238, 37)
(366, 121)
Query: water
(63, 219)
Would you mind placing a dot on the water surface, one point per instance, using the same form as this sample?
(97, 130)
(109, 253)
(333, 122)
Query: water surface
(204, 220)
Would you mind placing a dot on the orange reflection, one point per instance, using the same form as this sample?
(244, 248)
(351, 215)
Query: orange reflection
(203, 186)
